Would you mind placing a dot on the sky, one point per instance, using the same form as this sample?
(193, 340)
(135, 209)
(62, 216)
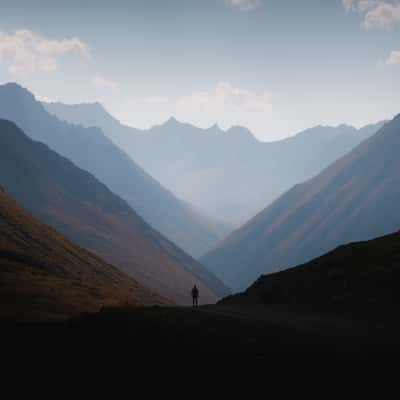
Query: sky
(274, 66)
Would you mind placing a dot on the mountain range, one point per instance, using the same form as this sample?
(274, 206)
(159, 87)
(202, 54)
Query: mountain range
(335, 206)
(356, 198)
(45, 276)
(229, 175)
(92, 151)
(76, 204)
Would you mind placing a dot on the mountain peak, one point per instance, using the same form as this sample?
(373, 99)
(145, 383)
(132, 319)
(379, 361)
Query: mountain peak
(344, 125)
(16, 89)
(98, 106)
(214, 129)
(172, 121)
(240, 132)
(13, 85)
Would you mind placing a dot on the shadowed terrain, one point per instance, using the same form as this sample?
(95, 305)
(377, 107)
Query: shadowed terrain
(360, 279)
(233, 338)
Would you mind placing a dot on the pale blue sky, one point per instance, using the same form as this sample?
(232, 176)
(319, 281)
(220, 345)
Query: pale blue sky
(275, 66)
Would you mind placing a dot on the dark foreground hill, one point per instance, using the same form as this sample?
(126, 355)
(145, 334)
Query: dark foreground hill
(356, 198)
(358, 278)
(45, 276)
(90, 150)
(84, 210)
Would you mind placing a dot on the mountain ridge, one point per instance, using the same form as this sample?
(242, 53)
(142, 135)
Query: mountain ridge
(229, 175)
(355, 198)
(92, 151)
(83, 209)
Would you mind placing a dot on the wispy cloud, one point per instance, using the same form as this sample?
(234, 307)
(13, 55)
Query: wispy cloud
(244, 5)
(378, 14)
(394, 58)
(359, 5)
(25, 52)
(102, 83)
(226, 96)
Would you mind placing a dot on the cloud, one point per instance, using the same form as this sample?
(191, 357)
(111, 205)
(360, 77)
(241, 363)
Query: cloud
(25, 53)
(394, 58)
(226, 96)
(243, 5)
(378, 14)
(384, 16)
(359, 6)
(103, 83)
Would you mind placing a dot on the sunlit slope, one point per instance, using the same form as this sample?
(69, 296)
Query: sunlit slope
(44, 275)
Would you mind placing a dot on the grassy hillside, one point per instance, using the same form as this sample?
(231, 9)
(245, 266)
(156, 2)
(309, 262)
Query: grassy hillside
(43, 275)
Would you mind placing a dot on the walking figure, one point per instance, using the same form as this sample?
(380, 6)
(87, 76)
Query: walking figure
(195, 296)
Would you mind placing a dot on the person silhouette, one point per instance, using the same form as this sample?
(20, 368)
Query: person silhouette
(195, 296)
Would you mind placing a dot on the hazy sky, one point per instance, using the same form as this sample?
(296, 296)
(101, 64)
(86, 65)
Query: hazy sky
(275, 66)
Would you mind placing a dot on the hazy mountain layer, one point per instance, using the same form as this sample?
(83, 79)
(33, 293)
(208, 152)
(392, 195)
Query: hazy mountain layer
(356, 198)
(76, 204)
(229, 175)
(90, 150)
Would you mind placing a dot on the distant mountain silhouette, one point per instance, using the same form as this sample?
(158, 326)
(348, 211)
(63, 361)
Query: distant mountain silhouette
(90, 150)
(76, 204)
(45, 276)
(360, 278)
(356, 198)
(230, 175)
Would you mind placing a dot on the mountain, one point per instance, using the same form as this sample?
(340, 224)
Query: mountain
(76, 204)
(43, 275)
(90, 150)
(356, 198)
(229, 175)
(358, 277)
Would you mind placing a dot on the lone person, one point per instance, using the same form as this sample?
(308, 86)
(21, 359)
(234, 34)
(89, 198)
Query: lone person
(195, 296)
